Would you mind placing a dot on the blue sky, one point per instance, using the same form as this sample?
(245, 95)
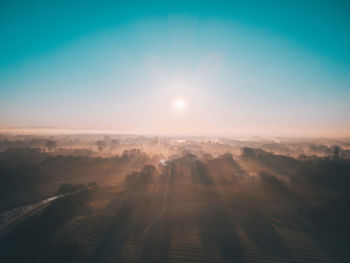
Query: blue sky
(242, 67)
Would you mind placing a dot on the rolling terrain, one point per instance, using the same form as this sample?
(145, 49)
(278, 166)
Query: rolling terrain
(257, 206)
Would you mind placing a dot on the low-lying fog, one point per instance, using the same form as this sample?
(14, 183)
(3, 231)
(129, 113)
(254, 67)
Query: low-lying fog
(130, 198)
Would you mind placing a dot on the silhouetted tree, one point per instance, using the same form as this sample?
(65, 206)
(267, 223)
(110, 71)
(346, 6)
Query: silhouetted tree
(101, 145)
(336, 150)
(114, 143)
(50, 145)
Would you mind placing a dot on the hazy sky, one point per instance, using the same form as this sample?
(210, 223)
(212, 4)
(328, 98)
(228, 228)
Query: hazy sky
(241, 67)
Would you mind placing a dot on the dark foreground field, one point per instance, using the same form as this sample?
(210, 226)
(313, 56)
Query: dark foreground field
(256, 207)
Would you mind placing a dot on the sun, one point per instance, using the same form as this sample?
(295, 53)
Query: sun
(179, 104)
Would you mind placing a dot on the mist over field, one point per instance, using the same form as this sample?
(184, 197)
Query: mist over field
(174, 131)
(129, 198)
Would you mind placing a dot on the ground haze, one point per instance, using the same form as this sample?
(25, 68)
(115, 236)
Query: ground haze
(108, 198)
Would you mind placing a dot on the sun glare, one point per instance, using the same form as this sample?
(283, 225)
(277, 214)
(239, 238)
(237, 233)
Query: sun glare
(179, 104)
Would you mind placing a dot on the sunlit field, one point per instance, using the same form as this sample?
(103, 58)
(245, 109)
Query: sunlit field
(105, 198)
(174, 131)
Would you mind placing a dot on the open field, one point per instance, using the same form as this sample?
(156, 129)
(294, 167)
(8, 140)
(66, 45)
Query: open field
(256, 206)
